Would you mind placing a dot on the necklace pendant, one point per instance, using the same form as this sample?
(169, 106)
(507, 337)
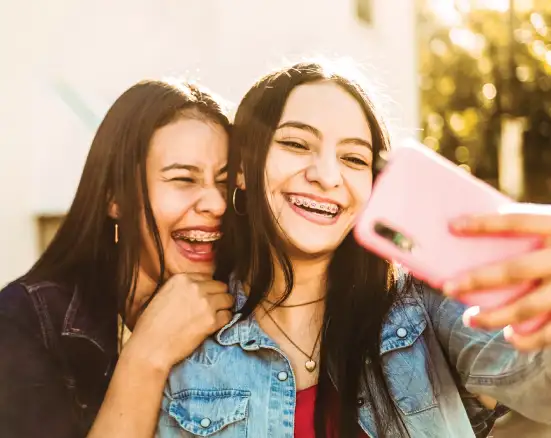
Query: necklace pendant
(310, 365)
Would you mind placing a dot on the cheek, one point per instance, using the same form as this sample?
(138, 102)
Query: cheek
(170, 205)
(360, 187)
(281, 167)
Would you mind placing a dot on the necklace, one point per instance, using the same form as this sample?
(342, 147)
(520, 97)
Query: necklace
(295, 305)
(310, 364)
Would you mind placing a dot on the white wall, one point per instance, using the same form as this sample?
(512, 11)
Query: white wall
(17, 237)
(99, 48)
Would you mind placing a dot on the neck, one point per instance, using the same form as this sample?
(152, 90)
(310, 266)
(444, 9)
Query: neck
(145, 286)
(309, 280)
(296, 321)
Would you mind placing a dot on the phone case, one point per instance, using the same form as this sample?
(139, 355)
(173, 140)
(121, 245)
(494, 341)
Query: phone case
(406, 220)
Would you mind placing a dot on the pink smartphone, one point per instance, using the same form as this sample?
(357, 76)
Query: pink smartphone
(406, 219)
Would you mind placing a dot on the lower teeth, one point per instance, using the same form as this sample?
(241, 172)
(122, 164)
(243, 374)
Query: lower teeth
(318, 212)
(191, 240)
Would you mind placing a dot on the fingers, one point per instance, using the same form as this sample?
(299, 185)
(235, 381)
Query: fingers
(524, 219)
(223, 317)
(215, 287)
(532, 342)
(197, 276)
(532, 305)
(216, 321)
(528, 267)
(221, 301)
(203, 282)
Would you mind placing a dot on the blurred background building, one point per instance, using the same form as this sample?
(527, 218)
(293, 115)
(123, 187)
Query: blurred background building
(469, 78)
(64, 63)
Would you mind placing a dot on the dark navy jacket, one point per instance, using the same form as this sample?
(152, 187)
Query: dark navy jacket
(57, 356)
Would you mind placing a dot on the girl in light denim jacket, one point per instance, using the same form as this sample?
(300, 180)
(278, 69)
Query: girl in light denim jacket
(329, 340)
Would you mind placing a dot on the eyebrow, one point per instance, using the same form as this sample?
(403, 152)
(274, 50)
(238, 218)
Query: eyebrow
(357, 141)
(303, 126)
(191, 168)
(318, 134)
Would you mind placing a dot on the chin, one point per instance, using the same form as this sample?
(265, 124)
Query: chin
(311, 249)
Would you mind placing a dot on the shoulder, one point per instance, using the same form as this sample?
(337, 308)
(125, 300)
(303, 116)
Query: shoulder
(28, 304)
(409, 289)
(22, 293)
(406, 319)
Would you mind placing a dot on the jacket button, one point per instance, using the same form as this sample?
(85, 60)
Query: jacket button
(360, 401)
(402, 332)
(282, 376)
(205, 422)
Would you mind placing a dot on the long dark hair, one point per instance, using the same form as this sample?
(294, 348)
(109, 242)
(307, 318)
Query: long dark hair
(83, 252)
(358, 281)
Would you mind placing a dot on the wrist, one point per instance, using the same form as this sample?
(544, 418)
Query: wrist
(150, 362)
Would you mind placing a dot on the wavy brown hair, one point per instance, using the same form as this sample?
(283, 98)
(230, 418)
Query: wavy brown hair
(83, 252)
(361, 287)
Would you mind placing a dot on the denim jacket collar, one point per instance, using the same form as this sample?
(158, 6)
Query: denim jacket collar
(243, 331)
(404, 324)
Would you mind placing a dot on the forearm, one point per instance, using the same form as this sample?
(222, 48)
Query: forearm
(489, 365)
(528, 391)
(133, 400)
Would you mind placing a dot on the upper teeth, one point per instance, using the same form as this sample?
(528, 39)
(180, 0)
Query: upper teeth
(310, 203)
(198, 235)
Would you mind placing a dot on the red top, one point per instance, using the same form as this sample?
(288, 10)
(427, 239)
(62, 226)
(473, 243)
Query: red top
(304, 414)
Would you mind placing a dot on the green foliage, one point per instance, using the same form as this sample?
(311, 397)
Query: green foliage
(479, 65)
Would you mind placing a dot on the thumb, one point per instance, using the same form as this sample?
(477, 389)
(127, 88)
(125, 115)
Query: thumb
(199, 277)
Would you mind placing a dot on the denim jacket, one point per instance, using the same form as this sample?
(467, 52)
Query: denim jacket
(56, 359)
(240, 384)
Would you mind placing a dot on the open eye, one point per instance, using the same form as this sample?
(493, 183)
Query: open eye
(357, 161)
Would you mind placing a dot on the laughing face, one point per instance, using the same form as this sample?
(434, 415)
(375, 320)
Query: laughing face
(186, 176)
(319, 168)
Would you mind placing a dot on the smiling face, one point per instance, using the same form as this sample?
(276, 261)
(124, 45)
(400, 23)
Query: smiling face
(319, 167)
(186, 177)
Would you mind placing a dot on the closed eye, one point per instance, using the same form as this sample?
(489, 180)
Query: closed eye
(183, 179)
(293, 145)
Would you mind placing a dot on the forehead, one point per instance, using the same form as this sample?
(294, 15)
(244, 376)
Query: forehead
(189, 141)
(328, 107)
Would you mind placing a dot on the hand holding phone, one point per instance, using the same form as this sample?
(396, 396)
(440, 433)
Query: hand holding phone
(415, 197)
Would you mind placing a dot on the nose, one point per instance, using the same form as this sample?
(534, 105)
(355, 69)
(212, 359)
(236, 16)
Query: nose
(211, 202)
(325, 171)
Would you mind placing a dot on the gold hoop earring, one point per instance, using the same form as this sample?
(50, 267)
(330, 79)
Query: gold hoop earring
(234, 204)
(116, 233)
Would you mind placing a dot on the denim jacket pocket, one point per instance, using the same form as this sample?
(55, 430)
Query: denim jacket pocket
(206, 412)
(406, 359)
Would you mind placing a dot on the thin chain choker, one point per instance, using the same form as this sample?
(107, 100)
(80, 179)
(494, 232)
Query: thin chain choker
(307, 303)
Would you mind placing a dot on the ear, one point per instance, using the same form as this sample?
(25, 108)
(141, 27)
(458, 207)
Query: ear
(113, 210)
(241, 179)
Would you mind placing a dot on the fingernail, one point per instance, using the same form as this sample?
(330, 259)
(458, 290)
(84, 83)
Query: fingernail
(469, 315)
(460, 223)
(450, 288)
(508, 333)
